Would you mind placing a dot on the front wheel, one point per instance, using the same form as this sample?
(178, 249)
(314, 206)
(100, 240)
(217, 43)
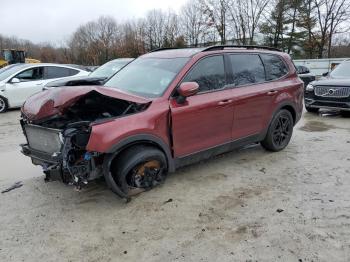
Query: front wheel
(280, 131)
(139, 168)
(3, 105)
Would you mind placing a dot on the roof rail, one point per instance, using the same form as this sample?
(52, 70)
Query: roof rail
(222, 47)
(162, 48)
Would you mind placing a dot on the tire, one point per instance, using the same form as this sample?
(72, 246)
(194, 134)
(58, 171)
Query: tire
(280, 131)
(137, 169)
(3, 105)
(311, 109)
(345, 114)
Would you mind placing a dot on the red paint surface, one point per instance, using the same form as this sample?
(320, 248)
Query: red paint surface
(203, 121)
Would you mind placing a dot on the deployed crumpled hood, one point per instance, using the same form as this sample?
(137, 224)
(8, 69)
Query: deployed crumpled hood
(54, 101)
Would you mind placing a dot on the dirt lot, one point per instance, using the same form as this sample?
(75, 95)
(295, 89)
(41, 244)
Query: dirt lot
(225, 209)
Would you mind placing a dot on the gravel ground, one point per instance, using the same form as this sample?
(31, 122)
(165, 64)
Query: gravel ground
(248, 205)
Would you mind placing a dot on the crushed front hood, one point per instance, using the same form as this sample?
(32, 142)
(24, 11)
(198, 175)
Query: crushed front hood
(54, 101)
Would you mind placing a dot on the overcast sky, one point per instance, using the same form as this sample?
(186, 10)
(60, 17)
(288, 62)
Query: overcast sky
(54, 20)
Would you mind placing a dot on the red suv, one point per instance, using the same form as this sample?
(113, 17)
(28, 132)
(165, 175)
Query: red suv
(166, 109)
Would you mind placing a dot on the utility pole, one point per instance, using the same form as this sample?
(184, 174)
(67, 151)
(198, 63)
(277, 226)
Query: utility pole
(330, 37)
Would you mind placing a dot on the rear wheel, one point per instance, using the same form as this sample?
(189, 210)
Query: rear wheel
(139, 168)
(280, 131)
(3, 105)
(311, 109)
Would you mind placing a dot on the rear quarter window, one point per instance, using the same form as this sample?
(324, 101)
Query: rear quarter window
(274, 66)
(52, 72)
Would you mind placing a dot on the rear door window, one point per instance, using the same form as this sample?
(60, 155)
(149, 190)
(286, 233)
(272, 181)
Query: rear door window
(209, 73)
(31, 74)
(275, 67)
(247, 69)
(57, 72)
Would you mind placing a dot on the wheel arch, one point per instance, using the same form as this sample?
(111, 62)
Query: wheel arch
(141, 139)
(287, 105)
(284, 105)
(291, 109)
(145, 139)
(6, 102)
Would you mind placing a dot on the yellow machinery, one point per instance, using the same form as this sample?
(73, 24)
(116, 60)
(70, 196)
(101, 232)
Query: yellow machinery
(12, 56)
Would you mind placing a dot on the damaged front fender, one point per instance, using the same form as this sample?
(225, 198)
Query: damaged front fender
(58, 127)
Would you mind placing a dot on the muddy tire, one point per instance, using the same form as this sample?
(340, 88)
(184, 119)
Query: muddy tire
(280, 131)
(3, 105)
(139, 168)
(311, 109)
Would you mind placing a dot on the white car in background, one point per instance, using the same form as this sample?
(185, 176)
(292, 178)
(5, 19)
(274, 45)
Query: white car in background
(20, 81)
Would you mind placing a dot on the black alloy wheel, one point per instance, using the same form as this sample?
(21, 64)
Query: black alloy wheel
(279, 132)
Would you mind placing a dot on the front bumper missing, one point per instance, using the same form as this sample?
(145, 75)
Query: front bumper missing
(56, 168)
(40, 158)
(51, 164)
(56, 153)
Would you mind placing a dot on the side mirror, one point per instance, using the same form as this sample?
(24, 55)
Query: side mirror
(15, 80)
(325, 74)
(187, 89)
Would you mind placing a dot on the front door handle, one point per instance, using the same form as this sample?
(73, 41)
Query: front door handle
(224, 102)
(272, 92)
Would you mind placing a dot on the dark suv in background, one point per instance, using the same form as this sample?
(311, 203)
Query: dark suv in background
(166, 109)
(330, 92)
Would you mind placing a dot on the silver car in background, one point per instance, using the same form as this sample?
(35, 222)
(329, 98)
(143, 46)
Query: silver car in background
(20, 81)
(97, 77)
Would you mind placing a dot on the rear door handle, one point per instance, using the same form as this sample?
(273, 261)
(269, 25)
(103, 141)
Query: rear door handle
(39, 84)
(272, 92)
(224, 102)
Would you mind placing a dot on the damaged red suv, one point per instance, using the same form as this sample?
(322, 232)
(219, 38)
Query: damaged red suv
(166, 109)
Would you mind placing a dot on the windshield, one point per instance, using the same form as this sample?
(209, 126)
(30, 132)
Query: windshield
(110, 68)
(9, 70)
(341, 71)
(148, 77)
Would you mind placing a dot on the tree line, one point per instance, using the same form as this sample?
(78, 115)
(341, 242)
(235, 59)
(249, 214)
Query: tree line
(302, 28)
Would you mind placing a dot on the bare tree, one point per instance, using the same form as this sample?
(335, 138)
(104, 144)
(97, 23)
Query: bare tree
(172, 29)
(155, 29)
(193, 24)
(331, 14)
(132, 42)
(246, 16)
(215, 12)
(94, 42)
(162, 29)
